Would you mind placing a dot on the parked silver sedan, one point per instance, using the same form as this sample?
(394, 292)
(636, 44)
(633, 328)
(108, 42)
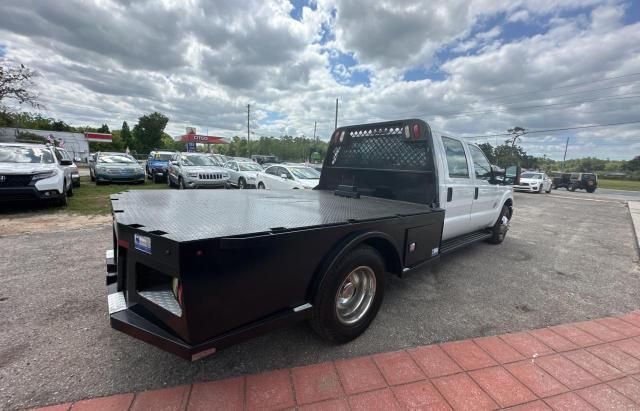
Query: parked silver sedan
(196, 170)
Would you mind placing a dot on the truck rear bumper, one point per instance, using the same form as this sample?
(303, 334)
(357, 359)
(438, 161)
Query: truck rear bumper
(139, 323)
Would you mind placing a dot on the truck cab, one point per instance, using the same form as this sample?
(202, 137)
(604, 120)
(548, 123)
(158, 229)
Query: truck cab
(470, 193)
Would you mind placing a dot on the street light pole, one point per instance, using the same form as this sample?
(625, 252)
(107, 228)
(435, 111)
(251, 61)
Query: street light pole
(248, 131)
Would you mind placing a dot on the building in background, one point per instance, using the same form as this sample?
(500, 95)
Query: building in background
(77, 144)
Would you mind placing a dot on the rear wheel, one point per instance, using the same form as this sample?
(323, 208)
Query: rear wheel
(261, 186)
(349, 296)
(591, 190)
(242, 183)
(500, 228)
(571, 187)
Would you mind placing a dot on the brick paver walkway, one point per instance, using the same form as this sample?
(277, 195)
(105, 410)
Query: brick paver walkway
(582, 366)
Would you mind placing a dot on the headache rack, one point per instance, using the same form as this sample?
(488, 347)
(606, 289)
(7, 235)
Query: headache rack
(391, 160)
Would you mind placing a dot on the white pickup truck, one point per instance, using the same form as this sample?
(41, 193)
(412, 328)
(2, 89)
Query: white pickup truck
(392, 197)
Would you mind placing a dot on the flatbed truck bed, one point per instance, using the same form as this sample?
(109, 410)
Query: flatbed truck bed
(248, 269)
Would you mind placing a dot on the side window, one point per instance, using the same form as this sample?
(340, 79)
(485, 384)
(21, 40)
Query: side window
(285, 171)
(59, 155)
(272, 170)
(456, 158)
(480, 163)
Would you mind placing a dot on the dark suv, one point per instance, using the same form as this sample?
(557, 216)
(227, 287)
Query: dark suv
(583, 181)
(559, 180)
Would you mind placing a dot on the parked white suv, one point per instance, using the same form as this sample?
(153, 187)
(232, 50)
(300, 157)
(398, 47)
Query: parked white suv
(288, 176)
(33, 172)
(243, 172)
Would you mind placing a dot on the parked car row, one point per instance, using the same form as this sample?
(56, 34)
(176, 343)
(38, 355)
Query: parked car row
(46, 172)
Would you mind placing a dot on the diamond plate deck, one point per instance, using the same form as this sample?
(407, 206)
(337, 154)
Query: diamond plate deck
(196, 215)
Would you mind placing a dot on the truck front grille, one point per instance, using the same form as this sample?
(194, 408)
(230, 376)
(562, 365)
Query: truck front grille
(15, 180)
(210, 176)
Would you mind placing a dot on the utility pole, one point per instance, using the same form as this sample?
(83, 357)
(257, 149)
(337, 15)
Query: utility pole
(248, 131)
(315, 123)
(336, 124)
(565, 153)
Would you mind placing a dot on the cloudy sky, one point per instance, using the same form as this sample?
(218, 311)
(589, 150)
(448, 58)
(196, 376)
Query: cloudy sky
(469, 68)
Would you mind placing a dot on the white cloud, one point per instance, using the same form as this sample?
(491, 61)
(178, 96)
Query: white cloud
(202, 62)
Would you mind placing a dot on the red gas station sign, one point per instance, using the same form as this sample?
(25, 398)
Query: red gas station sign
(199, 138)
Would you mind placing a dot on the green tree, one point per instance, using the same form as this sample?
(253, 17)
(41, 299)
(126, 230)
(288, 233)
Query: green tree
(126, 137)
(487, 149)
(148, 132)
(103, 129)
(632, 165)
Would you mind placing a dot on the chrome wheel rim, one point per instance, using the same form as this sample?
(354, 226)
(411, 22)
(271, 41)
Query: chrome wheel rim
(355, 295)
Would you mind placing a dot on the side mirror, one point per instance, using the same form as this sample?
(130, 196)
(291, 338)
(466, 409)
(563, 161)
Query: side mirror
(512, 175)
(284, 176)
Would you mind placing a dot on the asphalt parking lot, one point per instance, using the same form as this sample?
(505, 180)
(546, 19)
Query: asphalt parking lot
(566, 258)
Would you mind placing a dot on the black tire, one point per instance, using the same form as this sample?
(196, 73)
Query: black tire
(324, 317)
(242, 184)
(591, 190)
(70, 191)
(91, 176)
(499, 231)
(571, 187)
(149, 176)
(63, 201)
(181, 185)
(261, 186)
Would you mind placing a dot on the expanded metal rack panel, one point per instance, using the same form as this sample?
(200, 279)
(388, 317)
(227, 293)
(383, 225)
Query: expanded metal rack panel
(196, 215)
(163, 297)
(382, 152)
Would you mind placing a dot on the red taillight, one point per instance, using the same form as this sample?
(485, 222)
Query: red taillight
(176, 286)
(180, 294)
(416, 131)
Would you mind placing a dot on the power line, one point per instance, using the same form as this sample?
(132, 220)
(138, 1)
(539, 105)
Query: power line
(559, 129)
(516, 108)
(563, 87)
(419, 112)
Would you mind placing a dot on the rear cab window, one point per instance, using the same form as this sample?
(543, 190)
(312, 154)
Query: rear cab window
(457, 164)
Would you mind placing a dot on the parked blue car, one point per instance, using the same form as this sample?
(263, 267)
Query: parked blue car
(157, 165)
